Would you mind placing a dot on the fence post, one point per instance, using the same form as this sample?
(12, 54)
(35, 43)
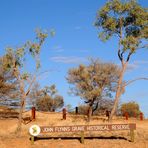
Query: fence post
(108, 114)
(135, 115)
(33, 113)
(64, 113)
(126, 115)
(141, 116)
(76, 110)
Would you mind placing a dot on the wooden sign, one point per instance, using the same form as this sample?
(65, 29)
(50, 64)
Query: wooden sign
(80, 128)
(36, 130)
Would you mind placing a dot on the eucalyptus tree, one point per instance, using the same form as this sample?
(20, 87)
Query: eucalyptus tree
(14, 61)
(93, 82)
(49, 99)
(127, 21)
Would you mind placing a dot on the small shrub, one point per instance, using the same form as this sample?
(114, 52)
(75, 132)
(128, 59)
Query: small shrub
(48, 104)
(83, 109)
(132, 108)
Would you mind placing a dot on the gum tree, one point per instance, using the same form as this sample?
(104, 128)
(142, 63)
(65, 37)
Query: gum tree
(93, 82)
(14, 61)
(49, 99)
(127, 21)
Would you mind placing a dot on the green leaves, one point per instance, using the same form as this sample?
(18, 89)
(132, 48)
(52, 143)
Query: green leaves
(93, 81)
(104, 36)
(41, 36)
(20, 52)
(25, 76)
(126, 20)
(15, 57)
(130, 43)
(52, 32)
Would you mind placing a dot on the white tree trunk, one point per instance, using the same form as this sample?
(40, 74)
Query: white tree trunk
(119, 91)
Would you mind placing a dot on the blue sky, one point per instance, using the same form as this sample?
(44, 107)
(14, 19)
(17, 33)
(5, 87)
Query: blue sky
(75, 41)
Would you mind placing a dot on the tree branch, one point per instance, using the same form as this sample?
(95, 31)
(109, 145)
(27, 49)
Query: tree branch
(34, 78)
(119, 55)
(88, 101)
(131, 81)
(145, 46)
(122, 54)
(29, 88)
(96, 106)
(128, 57)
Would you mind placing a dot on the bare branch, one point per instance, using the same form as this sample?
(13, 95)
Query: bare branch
(145, 46)
(128, 57)
(119, 55)
(122, 54)
(33, 80)
(131, 81)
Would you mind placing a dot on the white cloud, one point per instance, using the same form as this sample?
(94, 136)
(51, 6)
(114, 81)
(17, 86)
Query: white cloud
(141, 62)
(58, 48)
(137, 64)
(132, 66)
(68, 60)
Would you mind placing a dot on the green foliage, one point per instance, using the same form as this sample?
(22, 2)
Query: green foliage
(14, 58)
(52, 32)
(49, 100)
(51, 90)
(93, 82)
(127, 20)
(131, 107)
(25, 76)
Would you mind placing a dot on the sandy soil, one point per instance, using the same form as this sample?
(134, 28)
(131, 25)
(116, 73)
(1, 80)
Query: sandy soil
(116, 139)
